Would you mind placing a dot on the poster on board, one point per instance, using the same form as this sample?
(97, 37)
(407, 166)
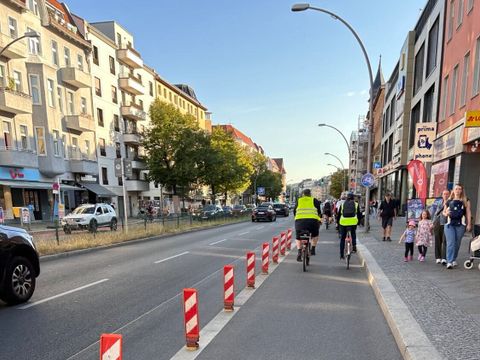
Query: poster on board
(432, 205)
(414, 209)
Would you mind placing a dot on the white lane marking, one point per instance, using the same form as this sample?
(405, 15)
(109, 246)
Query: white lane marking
(62, 294)
(217, 242)
(171, 257)
(260, 227)
(244, 233)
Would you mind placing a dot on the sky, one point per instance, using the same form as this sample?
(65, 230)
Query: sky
(272, 73)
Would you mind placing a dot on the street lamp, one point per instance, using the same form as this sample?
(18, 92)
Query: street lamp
(303, 7)
(345, 185)
(28, 34)
(343, 136)
(338, 169)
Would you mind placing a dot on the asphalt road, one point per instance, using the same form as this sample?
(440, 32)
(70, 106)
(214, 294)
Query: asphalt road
(136, 289)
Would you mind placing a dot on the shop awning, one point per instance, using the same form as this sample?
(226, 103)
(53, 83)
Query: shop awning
(98, 189)
(36, 185)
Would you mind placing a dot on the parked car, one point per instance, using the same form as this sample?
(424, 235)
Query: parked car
(264, 212)
(239, 210)
(91, 217)
(281, 209)
(211, 211)
(19, 265)
(227, 211)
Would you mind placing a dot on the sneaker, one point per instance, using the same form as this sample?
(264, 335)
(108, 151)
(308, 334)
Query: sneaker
(422, 259)
(410, 257)
(388, 239)
(383, 239)
(312, 250)
(444, 262)
(449, 266)
(454, 263)
(439, 261)
(419, 257)
(405, 259)
(342, 257)
(354, 250)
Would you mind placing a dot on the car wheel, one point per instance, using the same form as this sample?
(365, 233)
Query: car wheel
(67, 229)
(19, 283)
(113, 225)
(93, 226)
(275, 218)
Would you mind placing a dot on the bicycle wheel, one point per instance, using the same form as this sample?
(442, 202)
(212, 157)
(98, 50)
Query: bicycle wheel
(308, 254)
(304, 258)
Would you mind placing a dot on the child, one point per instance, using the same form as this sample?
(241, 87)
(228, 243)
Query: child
(409, 237)
(424, 236)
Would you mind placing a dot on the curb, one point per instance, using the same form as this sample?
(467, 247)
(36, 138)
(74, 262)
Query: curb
(411, 340)
(46, 258)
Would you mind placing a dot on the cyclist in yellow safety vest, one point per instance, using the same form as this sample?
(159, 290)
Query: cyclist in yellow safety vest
(307, 218)
(348, 217)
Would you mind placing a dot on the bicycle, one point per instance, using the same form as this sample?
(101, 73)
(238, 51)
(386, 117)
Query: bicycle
(305, 237)
(348, 249)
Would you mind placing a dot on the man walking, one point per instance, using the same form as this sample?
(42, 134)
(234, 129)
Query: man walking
(387, 212)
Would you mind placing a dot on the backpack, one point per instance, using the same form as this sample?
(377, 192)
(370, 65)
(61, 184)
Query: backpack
(348, 209)
(327, 207)
(457, 211)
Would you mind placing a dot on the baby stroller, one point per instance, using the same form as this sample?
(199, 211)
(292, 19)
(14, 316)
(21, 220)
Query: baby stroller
(474, 251)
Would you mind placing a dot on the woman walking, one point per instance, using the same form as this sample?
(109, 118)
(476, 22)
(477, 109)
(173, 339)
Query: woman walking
(439, 221)
(459, 217)
(388, 212)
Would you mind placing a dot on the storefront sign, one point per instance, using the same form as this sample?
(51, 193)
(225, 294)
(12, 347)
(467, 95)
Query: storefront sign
(414, 209)
(472, 119)
(473, 147)
(424, 136)
(439, 178)
(88, 178)
(417, 171)
(8, 173)
(448, 145)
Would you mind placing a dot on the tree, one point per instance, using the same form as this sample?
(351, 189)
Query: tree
(272, 182)
(173, 145)
(338, 180)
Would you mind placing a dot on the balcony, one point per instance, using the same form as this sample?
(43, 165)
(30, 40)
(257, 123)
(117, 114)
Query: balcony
(132, 138)
(80, 123)
(139, 164)
(133, 112)
(82, 163)
(75, 77)
(21, 158)
(15, 102)
(131, 84)
(136, 185)
(130, 57)
(18, 50)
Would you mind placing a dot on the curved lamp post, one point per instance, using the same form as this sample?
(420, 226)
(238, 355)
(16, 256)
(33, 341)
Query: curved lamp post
(28, 34)
(343, 136)
(344, 183)
(338, 169)
(303, 7)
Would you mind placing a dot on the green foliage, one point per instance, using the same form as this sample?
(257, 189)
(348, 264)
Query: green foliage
(338, 180)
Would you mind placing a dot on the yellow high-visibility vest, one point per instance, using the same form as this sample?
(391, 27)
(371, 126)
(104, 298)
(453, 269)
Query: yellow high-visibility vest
(306, 209)
(349, 221)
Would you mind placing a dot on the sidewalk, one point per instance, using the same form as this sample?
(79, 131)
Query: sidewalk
(444, 303)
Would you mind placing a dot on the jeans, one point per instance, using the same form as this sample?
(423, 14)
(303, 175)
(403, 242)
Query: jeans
(343, 232)
(453, 235)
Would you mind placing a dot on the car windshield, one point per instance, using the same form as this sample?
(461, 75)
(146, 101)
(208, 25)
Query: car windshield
(238, 207)
(84, 210)
(278, 205)
(209, 208)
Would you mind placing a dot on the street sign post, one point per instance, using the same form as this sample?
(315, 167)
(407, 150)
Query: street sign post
(260, 191)
(368, 180)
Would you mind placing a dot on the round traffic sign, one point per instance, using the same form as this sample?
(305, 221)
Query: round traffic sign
(368, 180)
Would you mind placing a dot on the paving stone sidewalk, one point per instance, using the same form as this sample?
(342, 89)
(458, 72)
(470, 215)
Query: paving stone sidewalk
(445, 303)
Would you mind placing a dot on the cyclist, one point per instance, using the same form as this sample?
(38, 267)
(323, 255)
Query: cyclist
(347, 218)
(307, 218)
(327, 212)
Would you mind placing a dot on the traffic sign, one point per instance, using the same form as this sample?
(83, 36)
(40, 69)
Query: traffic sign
(118, 167)
(260, 190)
(377, 165)
(368, 180)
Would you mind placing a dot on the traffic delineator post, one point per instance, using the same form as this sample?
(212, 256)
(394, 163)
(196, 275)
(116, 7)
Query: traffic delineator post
(283, 240)
(289, 239)
(265, 257)
(111, 347)
(251, 269)
(192, 322)
(275, 249)
(228, 285)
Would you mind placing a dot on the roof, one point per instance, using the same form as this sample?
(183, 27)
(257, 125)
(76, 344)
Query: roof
(238, 135)
(280, 165)
(187, 90)
(379, 80)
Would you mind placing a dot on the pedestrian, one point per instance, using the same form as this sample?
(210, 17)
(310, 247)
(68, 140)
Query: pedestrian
(459, 219)
(424, 236)
(409, 237)
(388, 212)
(439, 221)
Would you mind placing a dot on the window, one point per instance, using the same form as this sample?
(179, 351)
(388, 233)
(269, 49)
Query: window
(118, 150)
(80, 62)
(119, 40)
(83, 106)
(55, 52)
(95, 55)
(470, 6)
(17, 81)
(453, 93)
(66, 56)
(418, 77)
(74, 152)
(100, 117)
(60, 98)
(64, 145)
(50, 94)
(114, 95)
(428, 105)
(87, 148)
(140, 103)
(465, 75)
(35, 89)
(432, 48)
(40, 138)
(116, 122)
(23, 137)
(151, 88)
(33, 6)
(112, 65)
(476, 70)
(12, 28)
(101, 146)
(451, 19)
(415, 119)
(70, 103)
(56, 145)
(34, 46)
(104, 176)
(165, 93)
(2, 76)
(460, 13)
(120, 181)
(392, 114)
(444, 99)
(98, 87)
(7, 135)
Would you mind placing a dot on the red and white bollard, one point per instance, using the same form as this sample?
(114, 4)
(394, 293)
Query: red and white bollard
(111, 347)
(265, 257)
(229, 293)
(275, 249)
(283, 241)
(192, 324)
(251, 269)
(289, 239)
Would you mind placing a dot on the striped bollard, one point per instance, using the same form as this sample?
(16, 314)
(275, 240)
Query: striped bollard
(251, 269)
(111, 347)
(289, 239)
(192, 326)
(275, 249)
(265, 257)
(229, 293)
(283, 241)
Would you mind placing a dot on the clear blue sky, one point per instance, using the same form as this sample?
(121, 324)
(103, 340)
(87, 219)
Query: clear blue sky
(272, 73)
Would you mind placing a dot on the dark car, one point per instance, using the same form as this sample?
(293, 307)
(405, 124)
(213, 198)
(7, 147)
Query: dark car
(281, 209)
(264, 212)
(211, 212)
(19, 265)
(227, 211)
(239, 210)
